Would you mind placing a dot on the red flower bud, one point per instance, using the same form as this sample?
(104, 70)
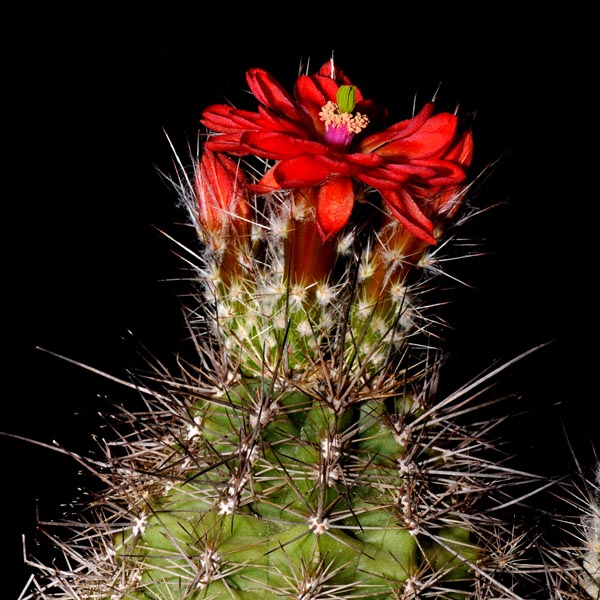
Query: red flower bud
(221, 194)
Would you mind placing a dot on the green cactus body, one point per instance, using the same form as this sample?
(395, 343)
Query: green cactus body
(303, 501)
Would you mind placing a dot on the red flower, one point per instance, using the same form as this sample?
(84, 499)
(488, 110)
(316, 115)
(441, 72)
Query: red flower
(221, 190)
(320, 137)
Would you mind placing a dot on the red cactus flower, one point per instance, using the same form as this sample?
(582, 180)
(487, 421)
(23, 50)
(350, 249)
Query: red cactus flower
(320, 137)
(221, 190)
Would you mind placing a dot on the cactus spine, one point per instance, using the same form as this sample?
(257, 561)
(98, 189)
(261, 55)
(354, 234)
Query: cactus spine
(302, 451)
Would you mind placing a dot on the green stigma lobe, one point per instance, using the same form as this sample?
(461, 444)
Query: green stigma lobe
(346, 98)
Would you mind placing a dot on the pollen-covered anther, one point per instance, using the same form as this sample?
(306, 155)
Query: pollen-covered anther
(332, 117)
(318, 526)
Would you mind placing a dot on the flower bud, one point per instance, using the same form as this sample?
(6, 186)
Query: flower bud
(221, 194)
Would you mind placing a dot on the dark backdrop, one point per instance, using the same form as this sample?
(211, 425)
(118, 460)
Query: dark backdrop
(86, 271)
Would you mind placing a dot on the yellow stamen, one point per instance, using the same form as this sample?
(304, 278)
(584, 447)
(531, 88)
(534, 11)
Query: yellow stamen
(332, 117)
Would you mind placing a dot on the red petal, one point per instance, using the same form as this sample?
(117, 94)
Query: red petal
(406, 211)
(462, 153)
(302, 171)
(391, 176)
(437, 172)
(336, 164)
(280, 146)
(335, 201)
(269, 92)
(397, 131)
(226, 119)
(273, 122)
(428, 172)
(367, 160)
(267, 183)
(432, 139)
(227, 142)
(409, 126)
(329, 70)
(315, 91)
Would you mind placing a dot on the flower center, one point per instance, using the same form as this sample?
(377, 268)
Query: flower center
(340, 124)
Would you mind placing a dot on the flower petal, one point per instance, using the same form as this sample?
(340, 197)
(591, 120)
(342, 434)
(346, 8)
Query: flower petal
(365, 160)
(279, 146)
(335, 201)
(432, 139)
(406, 211)
(462, 152)
(437, 172)
(315, 91)
(396, 131)
(267, 183)
(330, 70)
(227, 142)
(269, 92)
(391, 176)
(226, 119)
(302, 171)
(337, 164)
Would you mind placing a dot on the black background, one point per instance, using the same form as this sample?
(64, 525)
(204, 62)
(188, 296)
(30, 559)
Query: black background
(90, 98)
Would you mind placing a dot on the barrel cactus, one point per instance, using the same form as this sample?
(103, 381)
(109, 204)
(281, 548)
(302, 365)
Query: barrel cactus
(302, 450)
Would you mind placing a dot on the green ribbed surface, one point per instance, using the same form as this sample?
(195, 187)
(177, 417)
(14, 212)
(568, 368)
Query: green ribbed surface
(307, 496)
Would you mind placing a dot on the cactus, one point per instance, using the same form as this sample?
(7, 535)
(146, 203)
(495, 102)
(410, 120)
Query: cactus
(303, 449)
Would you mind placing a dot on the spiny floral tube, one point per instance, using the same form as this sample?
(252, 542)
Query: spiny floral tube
(302, 451)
